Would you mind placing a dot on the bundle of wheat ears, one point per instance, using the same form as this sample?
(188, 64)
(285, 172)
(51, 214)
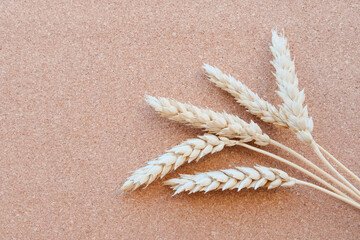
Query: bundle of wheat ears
(228, 130)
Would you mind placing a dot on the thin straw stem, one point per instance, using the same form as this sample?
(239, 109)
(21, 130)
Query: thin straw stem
(321, 156)
(346, 200)
(283, 160)
(339, 164)
(315, 167)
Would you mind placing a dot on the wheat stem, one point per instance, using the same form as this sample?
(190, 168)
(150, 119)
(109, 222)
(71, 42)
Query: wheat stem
(306, 172)
(312, 165)
(344, 199)
(323, 159)
(339, 163)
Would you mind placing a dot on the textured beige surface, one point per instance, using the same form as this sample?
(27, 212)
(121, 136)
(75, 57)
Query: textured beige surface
(73, 120)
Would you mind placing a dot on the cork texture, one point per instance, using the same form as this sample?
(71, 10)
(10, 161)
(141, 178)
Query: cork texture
(74, 123)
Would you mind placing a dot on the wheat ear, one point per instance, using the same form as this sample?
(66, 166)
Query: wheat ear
(292, 110)
(222, 124)
(243, 177)
(243, 95)
(239, 178)
(186, 152)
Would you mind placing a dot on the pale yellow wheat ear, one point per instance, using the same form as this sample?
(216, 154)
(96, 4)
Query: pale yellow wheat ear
(237, 178)
(186, 152)
(243, 95)
(243, 177)
(222, 124)
(292, 111)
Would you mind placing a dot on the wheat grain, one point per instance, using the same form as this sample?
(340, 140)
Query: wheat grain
(222, 124)
(292, 110)
(243, 95)
(188, 151)
(239, 178)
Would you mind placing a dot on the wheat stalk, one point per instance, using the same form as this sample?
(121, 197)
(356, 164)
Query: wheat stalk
(243, 95)
(316, 149)
(239, 178)
(292, 110)
(222, 124)
(186, 152)
(340, 164)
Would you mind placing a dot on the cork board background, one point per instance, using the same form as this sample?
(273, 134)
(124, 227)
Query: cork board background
(73, 120)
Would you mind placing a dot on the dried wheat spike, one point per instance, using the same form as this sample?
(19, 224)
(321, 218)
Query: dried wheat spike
(239, 178)
(222, 124)
(243, 95)
(187, 151)
(292, 110)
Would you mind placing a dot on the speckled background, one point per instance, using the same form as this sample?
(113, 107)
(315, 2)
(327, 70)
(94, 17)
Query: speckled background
(73, 120)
